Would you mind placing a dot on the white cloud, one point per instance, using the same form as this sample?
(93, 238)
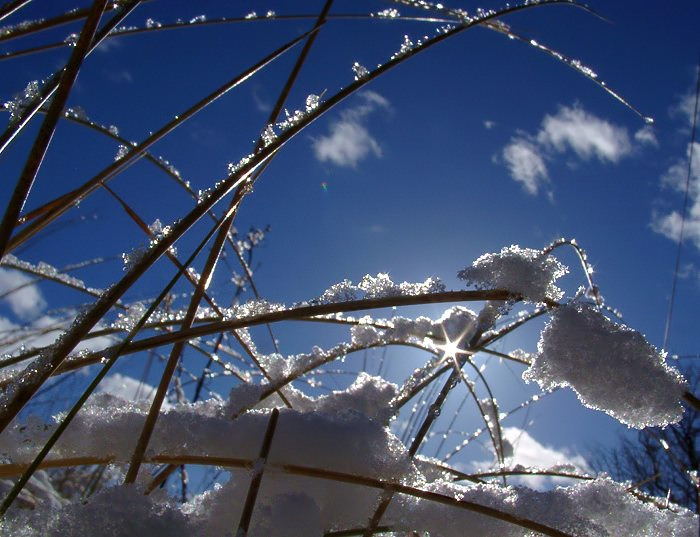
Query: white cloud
(646, 135)
(676, 177)
(587, 135)
(23, 297)
(530, 453)
(488, 124)
(129, 389)
(109, 44)
(121, 76)
(685, 108)
(570, 129)
(261, 104)
(349, 141)
(42, 332)
(526, 164)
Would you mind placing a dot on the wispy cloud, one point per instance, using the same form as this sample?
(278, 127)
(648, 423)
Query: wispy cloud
(261, 104)
(676, 177)
(349, 141)
(488, 124)
(587, 135)
(21, 294)
(121, 77)
(571, 129)
(526, 164)
(646, 135)
(685, 108)
(109, 44)
(32, 327)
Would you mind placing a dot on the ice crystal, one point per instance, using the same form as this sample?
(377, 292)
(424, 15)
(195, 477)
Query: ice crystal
(610, 366)
(360, 71)
(388, 13)
(269, 135)
(122, 151)
(406, 47)
(24, 25)
(45, 270)
(76, 112)
(291, 119)
(312, 102)
(71, 39)
(131, 259)
(21, 100)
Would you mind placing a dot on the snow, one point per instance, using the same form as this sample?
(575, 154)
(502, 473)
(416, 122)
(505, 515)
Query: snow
(610, 366)
(332, 433)
(378, 286)
(522, 271)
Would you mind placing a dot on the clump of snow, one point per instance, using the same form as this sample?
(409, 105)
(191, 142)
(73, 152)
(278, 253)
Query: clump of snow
(522, 271)
(610, 366)
(379, 286)
(457, 325)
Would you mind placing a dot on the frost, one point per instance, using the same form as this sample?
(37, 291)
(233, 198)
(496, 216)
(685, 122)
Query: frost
(24, 25)
(71, 39)
(406, 47)
(21, 100)
(360, 71)
(122, 151)
(388, 13)
(312, 102)
(610, 366)
(269, 135)
(522, 271)
(379, 286)
(457, 325)
(251, 15)
(44, 270)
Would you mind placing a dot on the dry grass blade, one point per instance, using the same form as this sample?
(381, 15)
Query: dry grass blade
(224, 20)
(259, 468)
(11, 7)
(318, 473)
(52, 210)
(351, 455)
(43, 138)
(50, 86)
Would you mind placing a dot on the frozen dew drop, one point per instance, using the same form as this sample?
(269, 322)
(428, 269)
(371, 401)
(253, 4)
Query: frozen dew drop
(269, 135)
(121, 152)
(388, 13)
(360, 71)
(406, 46)
(312, 102)
(71, 40)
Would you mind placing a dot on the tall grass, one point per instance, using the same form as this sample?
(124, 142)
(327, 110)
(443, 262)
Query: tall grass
(172, 320)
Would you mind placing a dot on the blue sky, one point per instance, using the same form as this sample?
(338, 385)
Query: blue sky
(475, 144)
